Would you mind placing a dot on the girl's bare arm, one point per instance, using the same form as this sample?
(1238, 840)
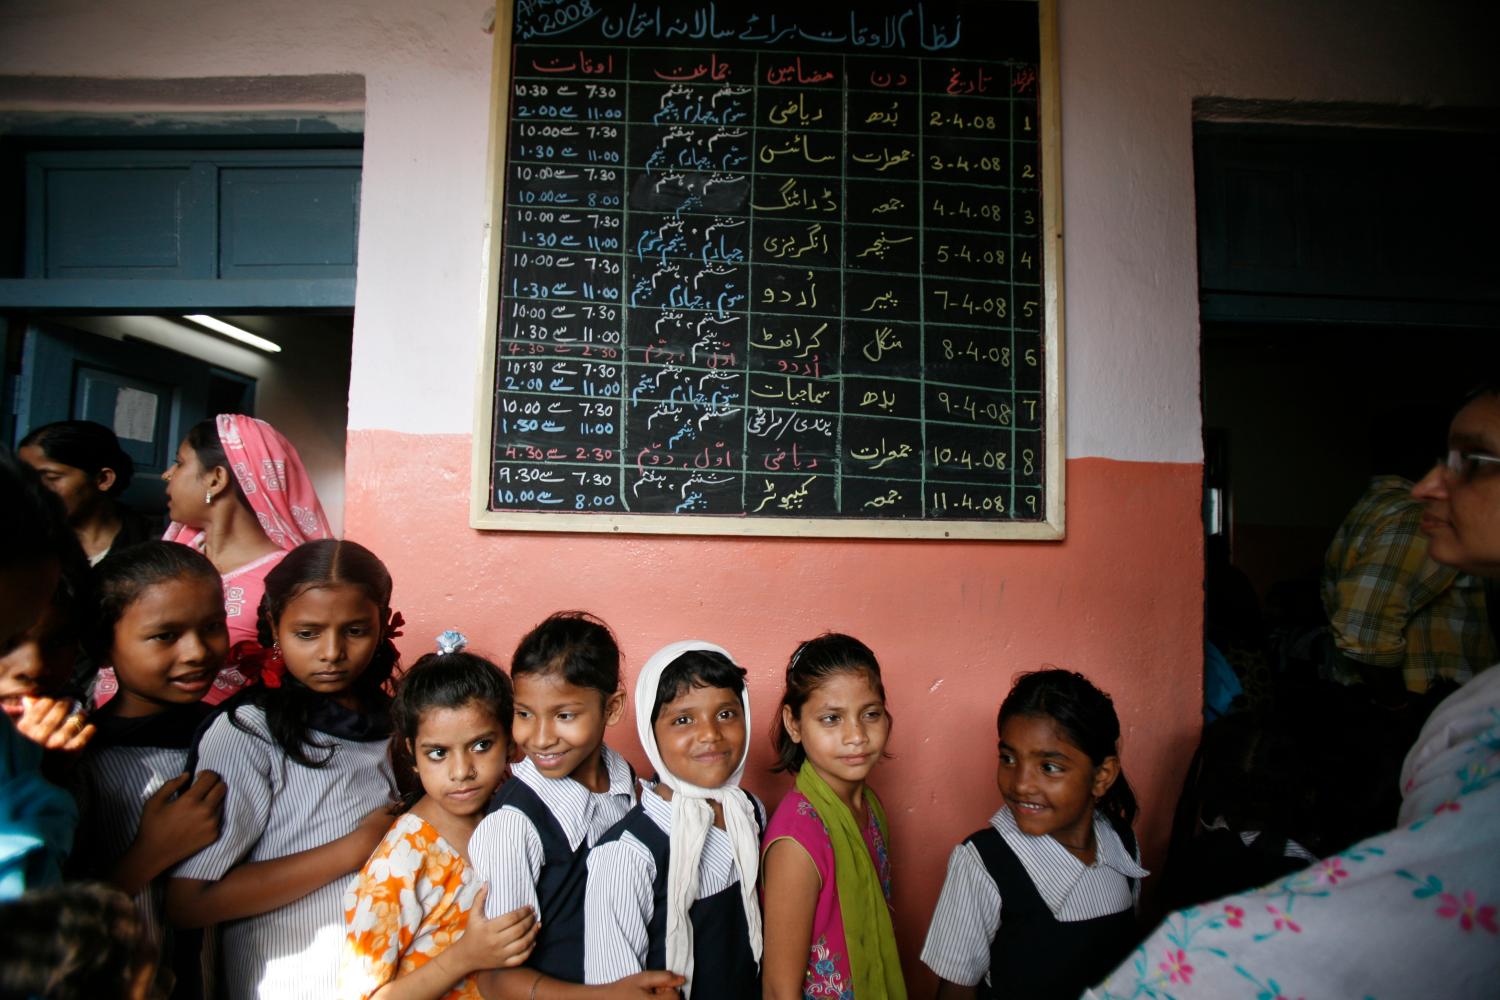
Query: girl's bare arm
(528, 984)
(256, 887)
(792, 885)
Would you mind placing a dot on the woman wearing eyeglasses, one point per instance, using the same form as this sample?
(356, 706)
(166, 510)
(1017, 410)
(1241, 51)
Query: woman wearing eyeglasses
(1414, 912)
(1462, 492)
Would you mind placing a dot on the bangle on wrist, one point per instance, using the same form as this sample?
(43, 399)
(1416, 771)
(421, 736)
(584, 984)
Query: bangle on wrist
(534, 984)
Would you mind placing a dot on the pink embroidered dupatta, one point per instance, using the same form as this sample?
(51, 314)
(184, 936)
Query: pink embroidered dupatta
(274, 480)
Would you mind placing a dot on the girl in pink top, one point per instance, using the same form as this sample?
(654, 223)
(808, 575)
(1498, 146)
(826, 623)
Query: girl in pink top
(239, 493)
(826, 873)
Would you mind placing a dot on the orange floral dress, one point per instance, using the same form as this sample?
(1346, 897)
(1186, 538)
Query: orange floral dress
(410, 902)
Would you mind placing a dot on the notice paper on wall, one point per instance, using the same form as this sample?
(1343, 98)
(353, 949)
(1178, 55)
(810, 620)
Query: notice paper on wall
(135, 414)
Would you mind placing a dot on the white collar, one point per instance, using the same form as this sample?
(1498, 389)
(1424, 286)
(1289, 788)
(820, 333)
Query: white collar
(569, 801)
(1053, 868)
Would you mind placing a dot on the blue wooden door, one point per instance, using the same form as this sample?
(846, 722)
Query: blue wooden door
(148, 395)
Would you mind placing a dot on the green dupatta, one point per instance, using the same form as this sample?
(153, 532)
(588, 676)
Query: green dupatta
(868, 932)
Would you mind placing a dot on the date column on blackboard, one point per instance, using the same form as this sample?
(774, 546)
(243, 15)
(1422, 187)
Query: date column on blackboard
(559, 353)
(969, 296)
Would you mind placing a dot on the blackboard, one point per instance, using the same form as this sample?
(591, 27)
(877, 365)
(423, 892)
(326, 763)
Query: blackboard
(773, 268)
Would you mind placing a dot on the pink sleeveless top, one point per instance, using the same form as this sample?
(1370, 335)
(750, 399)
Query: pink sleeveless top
(827, 972)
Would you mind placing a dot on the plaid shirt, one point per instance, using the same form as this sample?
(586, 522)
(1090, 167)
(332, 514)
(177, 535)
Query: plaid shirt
(1390, 605)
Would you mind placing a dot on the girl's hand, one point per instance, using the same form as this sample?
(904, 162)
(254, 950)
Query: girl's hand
(175, 828)
(171, 829)
(501, 943)
(651, 983)
(52, 724)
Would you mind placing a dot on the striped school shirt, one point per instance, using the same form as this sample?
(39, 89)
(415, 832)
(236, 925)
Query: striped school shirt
(506, 850)
(621, 899)
(969, 908)
(115, 783)
(275, 807)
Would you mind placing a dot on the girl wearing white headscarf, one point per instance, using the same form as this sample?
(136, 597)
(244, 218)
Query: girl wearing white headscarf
(672, 886)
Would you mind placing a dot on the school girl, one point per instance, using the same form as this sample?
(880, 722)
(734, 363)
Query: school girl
(237, 492)
(567, 790)
(673, 885)
(1041, 903)
(827, 873)
(304, 757)
(82, 462)
(414, 919)
(160, 623)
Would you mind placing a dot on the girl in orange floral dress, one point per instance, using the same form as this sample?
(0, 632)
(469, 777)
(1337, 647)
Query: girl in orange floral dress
(414, 919)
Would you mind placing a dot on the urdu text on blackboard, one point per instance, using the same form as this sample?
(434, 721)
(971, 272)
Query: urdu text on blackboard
(781, 271)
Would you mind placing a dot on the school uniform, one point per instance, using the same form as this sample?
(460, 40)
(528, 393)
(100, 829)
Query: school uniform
(533, 848)
(276, 807)
(626, 905)
(125, 764)
(1049, 925)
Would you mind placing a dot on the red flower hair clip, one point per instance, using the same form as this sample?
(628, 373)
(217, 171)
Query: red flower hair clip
(257, 663)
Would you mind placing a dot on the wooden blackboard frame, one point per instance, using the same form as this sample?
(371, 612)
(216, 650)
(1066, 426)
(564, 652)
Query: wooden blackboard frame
(1050, 528)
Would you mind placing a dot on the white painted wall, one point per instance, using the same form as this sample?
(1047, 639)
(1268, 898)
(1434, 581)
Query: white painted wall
(1130, 70)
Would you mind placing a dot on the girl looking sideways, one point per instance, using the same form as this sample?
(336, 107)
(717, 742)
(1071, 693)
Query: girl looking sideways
(567, 791)
(1041, 902)
(826, 862)
(414, 919)
(160, 623)
(83, 463)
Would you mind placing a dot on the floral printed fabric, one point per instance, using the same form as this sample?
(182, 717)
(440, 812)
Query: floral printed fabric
(1409, 913)
(828, 976)
(409, 903)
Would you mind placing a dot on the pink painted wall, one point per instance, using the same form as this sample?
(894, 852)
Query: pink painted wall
(1120, 599)
(951, 623)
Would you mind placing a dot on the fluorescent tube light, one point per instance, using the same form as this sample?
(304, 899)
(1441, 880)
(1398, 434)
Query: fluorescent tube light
(235, 333)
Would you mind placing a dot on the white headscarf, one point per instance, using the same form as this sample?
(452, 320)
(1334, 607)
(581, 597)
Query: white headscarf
(692, 817)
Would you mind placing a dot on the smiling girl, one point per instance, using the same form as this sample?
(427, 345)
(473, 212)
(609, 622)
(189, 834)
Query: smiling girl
(827, 866)
(672, 887)
(568, 790)
(305, 759)
(1041, 903)
(160, 624)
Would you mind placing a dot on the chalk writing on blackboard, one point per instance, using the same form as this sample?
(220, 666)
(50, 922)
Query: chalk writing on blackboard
(772, 264)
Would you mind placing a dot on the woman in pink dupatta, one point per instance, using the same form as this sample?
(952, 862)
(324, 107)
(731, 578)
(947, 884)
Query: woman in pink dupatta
(238, 493)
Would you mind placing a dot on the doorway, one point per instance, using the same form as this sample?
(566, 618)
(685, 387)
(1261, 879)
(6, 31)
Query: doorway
(124, 250)
(1347, 302)
(151, 377)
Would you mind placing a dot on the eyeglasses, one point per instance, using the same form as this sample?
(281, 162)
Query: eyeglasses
(1463, 464)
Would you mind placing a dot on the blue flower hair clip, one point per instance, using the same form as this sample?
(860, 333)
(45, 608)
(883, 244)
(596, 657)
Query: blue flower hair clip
(451, 641)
